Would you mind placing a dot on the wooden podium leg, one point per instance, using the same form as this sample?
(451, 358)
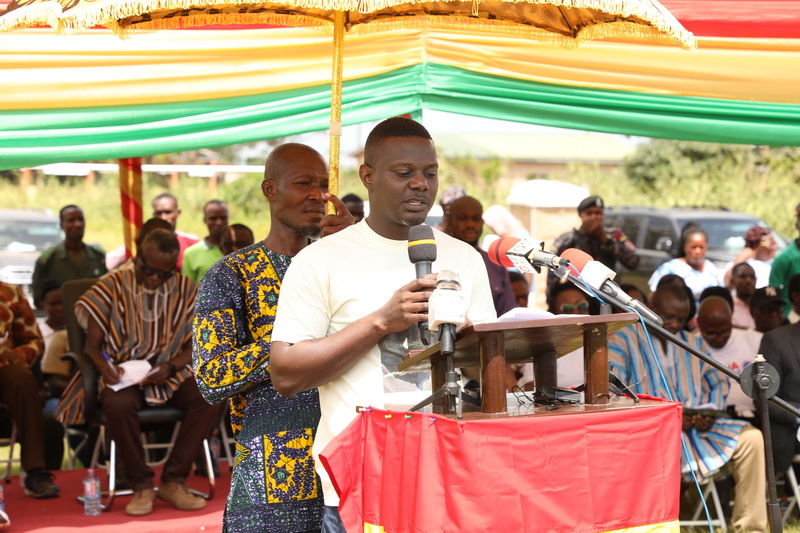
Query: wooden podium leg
(545, 370)
(493, 374)
(595, 364)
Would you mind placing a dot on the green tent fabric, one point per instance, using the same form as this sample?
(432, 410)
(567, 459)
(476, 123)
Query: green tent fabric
(36, 137)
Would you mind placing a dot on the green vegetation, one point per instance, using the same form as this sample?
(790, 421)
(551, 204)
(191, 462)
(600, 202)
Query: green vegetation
(760, 180)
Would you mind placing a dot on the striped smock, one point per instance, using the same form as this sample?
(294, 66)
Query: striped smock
(692, 382)
(133, 328)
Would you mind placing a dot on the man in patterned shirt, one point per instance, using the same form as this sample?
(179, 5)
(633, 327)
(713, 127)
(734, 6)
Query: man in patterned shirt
(274, 486)
(607, 245)
(21, 347)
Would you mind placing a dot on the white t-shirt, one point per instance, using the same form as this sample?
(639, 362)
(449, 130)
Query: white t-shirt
(738, 352)
(348, 275)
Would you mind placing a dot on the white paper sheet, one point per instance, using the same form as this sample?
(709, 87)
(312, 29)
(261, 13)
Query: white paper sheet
(134, 373)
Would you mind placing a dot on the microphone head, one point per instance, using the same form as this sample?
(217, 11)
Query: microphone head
(498, 250)
(421, 244)
(578, 258)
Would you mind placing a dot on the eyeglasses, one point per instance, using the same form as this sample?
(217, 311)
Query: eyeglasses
(581, 307)
(147, 270)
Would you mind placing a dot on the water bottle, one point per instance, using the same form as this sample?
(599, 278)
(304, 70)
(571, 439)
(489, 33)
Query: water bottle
(4, 520)
(91, 494)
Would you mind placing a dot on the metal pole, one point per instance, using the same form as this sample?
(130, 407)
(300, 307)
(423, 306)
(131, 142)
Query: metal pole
(335, 131)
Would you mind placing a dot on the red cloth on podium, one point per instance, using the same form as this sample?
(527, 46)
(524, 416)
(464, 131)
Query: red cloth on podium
(592, 472)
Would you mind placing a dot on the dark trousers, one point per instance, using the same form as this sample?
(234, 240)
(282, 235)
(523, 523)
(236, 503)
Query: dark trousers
(331, 521)
(19, 391)
(120, 409)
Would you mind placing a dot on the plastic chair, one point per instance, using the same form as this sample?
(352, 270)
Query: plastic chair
(149, 417)
(709, 488)
(791, 483)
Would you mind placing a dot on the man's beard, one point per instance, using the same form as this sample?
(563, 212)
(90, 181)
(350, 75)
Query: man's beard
(308, 231)
(412, 221)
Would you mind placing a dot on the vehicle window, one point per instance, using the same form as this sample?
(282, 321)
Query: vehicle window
(657, 227)
(725, 234)
(28, 236)
(630, 225)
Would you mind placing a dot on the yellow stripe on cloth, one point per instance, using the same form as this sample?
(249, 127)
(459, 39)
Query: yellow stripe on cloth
(664, 527)
(95, 68)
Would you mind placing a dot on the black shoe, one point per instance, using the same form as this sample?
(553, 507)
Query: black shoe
(39, 484)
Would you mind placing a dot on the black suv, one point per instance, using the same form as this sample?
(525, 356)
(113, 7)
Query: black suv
(656, 233)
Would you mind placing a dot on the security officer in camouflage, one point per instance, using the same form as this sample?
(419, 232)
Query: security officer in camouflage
(607, 245)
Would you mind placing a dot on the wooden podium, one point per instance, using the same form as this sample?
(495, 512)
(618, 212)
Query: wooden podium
(540, 341)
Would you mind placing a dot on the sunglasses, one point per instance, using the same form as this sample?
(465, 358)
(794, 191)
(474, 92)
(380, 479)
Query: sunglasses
(147, 270)
(581, 307)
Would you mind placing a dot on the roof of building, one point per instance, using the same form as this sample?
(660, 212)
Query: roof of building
(536, 148)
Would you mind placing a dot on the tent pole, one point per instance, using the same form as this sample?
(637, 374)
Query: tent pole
(336, 103)
(130, 192)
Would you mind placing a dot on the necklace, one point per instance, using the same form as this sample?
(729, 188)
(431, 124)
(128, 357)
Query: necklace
(152, 302)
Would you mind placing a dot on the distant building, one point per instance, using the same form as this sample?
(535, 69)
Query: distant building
(537, 156)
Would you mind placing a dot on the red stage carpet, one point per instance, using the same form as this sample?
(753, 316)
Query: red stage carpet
(66, 513)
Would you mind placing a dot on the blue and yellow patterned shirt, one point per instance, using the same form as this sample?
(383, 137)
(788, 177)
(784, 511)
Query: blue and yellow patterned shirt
(274, 486)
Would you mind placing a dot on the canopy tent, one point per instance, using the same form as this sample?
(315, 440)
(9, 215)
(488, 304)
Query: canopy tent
(94, 96)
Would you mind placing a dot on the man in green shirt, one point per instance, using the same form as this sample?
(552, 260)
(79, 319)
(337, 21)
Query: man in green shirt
(199, 257)
(72, 258)
(786, 265)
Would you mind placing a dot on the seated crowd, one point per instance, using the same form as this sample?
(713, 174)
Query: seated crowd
(143, 308)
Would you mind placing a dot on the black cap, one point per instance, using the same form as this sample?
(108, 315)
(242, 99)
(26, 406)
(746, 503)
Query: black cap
(764, 296)
(592, 201)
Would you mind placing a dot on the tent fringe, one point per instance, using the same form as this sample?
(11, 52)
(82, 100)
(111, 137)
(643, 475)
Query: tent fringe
(31, 15)
(645, 19)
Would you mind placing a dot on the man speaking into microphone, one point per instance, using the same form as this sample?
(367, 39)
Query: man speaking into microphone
(350, 303)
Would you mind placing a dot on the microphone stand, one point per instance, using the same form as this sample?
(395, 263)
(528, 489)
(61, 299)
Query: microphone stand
(759, 380)
(451, 388)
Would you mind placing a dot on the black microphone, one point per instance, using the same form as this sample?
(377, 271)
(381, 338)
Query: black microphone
(422, 252)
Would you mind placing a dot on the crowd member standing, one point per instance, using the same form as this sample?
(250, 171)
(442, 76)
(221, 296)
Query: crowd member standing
(201, 256)
(236, 305)
(759, 252)
(236, 237)
(355, 205)
(350, 304)
(691, 263)
(743, 277)
(607, 245)
(165, 207)
(71, 258)
(465, 223)
(786, 265)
